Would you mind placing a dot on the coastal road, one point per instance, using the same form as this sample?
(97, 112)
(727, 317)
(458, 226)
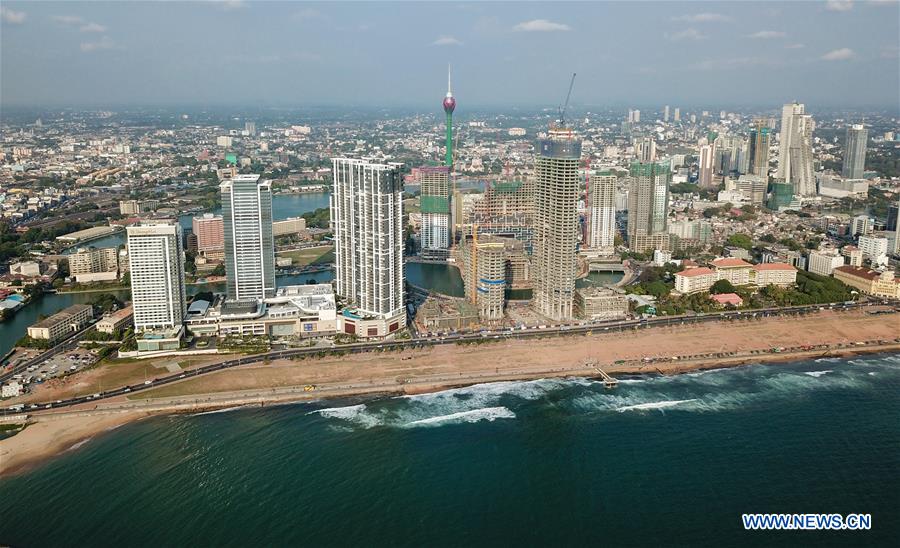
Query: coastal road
(467, 338)
(66, 344)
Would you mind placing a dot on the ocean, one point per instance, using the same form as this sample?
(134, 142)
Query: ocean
(658, 461)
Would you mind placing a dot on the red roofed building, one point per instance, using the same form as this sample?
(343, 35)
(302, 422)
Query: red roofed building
(695, 280)
(781, 274)
(736, 271)
(728, 298)
(870, 282)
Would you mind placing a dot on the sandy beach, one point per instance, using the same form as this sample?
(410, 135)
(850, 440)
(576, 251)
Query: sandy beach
(646, 351)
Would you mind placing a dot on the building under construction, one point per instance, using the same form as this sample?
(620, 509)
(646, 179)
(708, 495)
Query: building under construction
(483, 268)
(556, 223)
(435, 204)
(506, 209)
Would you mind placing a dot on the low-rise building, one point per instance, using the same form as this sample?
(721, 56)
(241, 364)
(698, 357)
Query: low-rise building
(93, 265)
(780, 274)
(823, 263)
(287, 227)
(62, 323)
(11, 390)
(736, 271)
(597, 303)
(870, 282)
(695, 280)
(115, 321)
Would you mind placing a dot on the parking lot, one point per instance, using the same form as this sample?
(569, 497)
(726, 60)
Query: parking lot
(59, 365)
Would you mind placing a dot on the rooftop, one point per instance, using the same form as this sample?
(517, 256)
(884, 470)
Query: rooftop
(773, 266)
(730, 262)
(694, 272)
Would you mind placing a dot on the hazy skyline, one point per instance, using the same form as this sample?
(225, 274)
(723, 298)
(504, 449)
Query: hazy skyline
(396, 54)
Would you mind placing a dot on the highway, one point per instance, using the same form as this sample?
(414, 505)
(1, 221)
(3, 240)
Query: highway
(356, 348)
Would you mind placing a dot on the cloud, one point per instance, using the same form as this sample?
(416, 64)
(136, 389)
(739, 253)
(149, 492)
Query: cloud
(890, 52)
(93, 27)
(795, 46)
(686, 34)
(229, 5)
(703, 18)
(12, 17)
(841, 54)
(839, 5)
(767, 34)
(70, 20)
(446, 41)
(733, 63)
(102, 44)
(541, 25)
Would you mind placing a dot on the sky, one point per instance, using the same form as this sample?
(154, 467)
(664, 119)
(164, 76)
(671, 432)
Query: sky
(822, 53)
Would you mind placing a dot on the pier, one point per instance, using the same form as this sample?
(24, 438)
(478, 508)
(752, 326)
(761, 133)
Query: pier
(608, 381)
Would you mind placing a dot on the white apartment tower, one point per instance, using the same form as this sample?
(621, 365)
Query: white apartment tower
(157, 276)
(795, 160)
(556, 223)
(249, 244)
(601, 208)
(367, 219)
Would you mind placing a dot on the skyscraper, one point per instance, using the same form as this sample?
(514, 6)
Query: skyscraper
(601, 211)
(760, 141)
(367, 217)
(707, 157)
(677, 116)
(648, 199)
(249, 245)
(435, 204)
(645, 149)
(666, 113)
(556, 223)
(157, 276)
(795, 161)
(855, 152)
(449, 106)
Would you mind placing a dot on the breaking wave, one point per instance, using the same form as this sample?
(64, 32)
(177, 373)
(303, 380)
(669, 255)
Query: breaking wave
(487, 414)
(653, 405)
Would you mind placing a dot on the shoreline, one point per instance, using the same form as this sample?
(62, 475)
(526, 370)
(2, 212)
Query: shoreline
(52, 434)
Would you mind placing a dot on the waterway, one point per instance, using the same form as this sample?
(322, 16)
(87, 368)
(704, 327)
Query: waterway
(283, 207)
(659, 461)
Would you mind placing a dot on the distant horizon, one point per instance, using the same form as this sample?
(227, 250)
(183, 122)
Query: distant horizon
(514, 55)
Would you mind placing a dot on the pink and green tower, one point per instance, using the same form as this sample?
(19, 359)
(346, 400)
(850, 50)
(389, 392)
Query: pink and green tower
(449, 106)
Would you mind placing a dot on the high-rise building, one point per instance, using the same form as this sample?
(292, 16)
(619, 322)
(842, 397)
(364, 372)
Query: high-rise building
(507, 209)
(677, 116)
(157, 276)
(449, 105)
(434, 200)
(707, 157)
(367, 218)
(645, 149)
(250, 128)
(210, 232)
(637, 116)
(760, 141)
(855, 152)
(483, 263)
(666, 113)
(795, 160)
(648, 199)
(556, 223)
(601, 211)
(249, 244)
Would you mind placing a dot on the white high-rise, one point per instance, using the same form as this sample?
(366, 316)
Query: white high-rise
(157, 276)
(666, 114)
(795, 160)
(249, 244)
(367, 219)
(707, 155)
(601, 209)
(855, 152)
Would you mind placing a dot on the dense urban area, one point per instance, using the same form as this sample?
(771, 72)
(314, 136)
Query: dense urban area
(165, 233)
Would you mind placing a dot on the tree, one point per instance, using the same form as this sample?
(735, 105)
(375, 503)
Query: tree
(219, 270)
(741, 240)
(721, 286)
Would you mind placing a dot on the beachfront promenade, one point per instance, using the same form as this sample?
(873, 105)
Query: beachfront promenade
(462, 339)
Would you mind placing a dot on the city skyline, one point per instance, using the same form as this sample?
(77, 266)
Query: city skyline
(704, 53)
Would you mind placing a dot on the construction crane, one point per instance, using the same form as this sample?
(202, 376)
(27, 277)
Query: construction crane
(562, 112)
